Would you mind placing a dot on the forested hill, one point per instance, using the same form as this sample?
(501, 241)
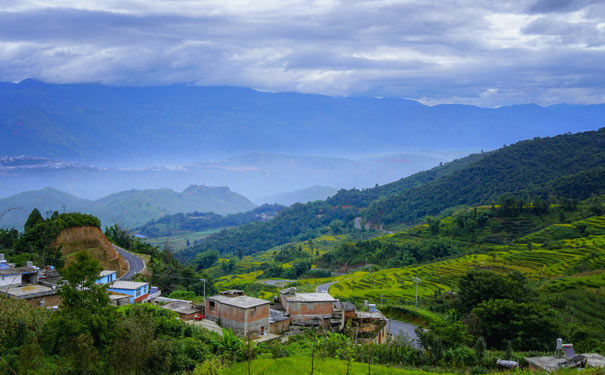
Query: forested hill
(534, 168)
(569, 166)
(303, 221)
(170, 225)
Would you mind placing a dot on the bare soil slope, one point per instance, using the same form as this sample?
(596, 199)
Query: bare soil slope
(91, 239)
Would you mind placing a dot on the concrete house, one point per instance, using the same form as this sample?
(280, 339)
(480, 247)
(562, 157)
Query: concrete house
(138, 291)
(11, 276)
(22, 283)
(107, 276)
(244, 315)
(186, 310)
(307, 306)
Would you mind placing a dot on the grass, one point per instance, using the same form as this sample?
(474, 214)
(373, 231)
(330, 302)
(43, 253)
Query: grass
(302, 366)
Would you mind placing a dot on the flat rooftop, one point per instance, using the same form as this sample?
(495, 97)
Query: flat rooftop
(106, 273)
(17, 271)
(182, 307)
(551, 363)
(239, 301)
(29, 291)
(128, 285)
(309, 297)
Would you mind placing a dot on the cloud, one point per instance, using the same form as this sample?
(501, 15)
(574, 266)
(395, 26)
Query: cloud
(479, 52)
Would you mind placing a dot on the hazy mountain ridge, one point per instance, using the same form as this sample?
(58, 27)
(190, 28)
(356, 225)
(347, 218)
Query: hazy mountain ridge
(128, 208)
(253, 175)
(313, 193)
(90, 122)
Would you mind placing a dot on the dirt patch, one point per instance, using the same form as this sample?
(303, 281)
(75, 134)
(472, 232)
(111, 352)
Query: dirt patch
(92, 240)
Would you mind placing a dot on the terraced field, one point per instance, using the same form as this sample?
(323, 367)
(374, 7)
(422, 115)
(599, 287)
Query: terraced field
(396, 286)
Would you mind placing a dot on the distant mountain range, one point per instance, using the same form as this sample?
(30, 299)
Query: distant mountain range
(314, 193)
(128, 208)
(254, 175)
(96, 123)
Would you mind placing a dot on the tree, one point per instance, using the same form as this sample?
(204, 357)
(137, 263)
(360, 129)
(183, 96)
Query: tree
(33, 218)
(479, 285)
(134, 339)
(206, 259)
(527, 325)
(85, 321)
(480, 350)
(434, 224)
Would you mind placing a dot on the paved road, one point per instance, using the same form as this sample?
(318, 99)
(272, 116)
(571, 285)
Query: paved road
(323, 288)
(278, 283)
(136, 263)
(358, 222)
(397, 327)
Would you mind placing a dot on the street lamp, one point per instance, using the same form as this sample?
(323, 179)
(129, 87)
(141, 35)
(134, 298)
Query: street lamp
(417, 281)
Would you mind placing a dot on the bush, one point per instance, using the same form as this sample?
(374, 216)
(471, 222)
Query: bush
(478, 370)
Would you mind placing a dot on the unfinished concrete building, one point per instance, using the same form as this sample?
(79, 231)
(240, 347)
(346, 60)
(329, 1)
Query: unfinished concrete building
(246, 316)
(307, 306)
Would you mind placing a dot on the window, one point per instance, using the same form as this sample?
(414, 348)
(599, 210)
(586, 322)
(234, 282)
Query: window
(252, 311)
(211, 305)
(138, 292)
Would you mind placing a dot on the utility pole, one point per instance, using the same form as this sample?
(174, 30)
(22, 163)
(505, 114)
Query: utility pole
(417, 281)
(204, 280)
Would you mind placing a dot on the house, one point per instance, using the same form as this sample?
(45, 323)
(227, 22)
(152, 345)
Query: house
(278, 321)
(138, 291)
(307, 306)
(347, 307)
(244, 315)
(107, 277)
(11, 276)
(554, 363)
(370, 327)
(35, 294)
(186, 310)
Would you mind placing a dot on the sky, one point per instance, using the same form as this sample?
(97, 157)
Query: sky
(486, 53)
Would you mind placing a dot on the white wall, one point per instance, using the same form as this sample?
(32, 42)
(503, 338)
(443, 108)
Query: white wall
(14, 280)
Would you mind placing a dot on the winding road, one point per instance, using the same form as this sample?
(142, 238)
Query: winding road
(396, 327)
(323, 288)
(135, 264)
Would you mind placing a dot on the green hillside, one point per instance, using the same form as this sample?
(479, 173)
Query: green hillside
(569, 166)
(550, 249)
(182, 223)
(128, 208)
(525, 168)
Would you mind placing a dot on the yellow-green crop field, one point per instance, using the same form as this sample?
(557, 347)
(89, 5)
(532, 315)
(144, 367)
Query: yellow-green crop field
(540, 263)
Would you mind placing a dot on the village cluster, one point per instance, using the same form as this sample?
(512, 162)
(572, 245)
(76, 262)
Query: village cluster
(250, 317)
(246, 316)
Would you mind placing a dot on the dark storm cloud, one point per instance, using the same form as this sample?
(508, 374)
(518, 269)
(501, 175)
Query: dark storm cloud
(485, 53)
